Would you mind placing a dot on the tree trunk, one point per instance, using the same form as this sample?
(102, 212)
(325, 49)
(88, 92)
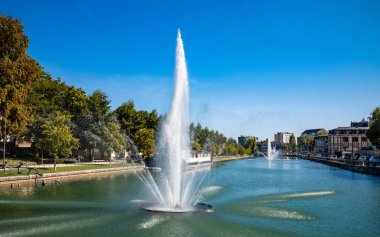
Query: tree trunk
(55, 163)
(42, 157)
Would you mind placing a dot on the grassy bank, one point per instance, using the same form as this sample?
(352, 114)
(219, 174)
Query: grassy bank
(24, 171)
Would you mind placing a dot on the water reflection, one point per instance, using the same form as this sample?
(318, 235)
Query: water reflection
(250, 197)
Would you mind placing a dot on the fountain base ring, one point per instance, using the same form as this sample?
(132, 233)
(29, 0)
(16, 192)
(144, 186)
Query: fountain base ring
(199, 207)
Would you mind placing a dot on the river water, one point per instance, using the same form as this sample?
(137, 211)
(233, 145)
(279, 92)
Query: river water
(251, 197)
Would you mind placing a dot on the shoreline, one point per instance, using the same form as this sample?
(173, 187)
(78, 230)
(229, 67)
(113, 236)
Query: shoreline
(345, 166)
(58, 176)
(17, 180)
(227, 158)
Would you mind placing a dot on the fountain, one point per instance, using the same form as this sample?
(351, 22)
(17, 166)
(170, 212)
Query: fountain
(175, 189)
(271, 153)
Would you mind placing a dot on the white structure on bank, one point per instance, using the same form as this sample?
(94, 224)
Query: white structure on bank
(282, 137)
(199, 157)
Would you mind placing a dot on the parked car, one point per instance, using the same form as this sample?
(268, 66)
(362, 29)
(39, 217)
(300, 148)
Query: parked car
(363, 159)
(374, 159)
(347, 156)
(356, 156)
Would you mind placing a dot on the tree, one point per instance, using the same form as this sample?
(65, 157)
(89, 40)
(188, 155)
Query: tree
(52, 134)
(144, 139)
(251, 144)
(292, 144)
(373, 132)
(48, 96)
(196, 146)
(286, 148)
(375, 115)
(99, 105)
(306, 143)
(17, 72)
(206, 139)
(133, 121)
(98, 128)
(231, 147)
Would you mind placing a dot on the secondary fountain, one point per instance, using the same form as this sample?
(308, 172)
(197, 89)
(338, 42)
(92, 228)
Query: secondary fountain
(271, 153)
(175, 189)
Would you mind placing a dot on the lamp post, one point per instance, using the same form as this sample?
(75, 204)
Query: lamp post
(4, 140)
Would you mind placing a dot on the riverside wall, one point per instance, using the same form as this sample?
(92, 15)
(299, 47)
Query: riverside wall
(354, 166)
(34, 177)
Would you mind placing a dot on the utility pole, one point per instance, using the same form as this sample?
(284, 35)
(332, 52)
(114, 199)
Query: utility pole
(4, 140)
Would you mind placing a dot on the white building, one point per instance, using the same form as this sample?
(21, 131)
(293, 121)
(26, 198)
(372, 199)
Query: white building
(282, 137)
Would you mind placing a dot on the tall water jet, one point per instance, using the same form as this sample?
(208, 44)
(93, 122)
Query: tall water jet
(269, 151)
(176, 189)
(272, 152)
(175, 131)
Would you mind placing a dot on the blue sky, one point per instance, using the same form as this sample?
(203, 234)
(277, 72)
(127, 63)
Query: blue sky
(255, 67)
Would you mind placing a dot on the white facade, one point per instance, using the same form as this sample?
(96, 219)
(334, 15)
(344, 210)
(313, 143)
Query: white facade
(282, 137)
(199, 157)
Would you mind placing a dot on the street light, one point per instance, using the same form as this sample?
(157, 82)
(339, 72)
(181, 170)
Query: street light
(4, 140)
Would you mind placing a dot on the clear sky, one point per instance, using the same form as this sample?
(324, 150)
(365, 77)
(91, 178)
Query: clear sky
(255, 67)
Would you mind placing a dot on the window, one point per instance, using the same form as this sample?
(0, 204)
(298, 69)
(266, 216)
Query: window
(345, 139)
(355, 139)
(364, 139)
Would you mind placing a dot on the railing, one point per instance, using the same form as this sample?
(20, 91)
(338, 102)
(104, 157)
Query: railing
(77, 164)
(349, 161)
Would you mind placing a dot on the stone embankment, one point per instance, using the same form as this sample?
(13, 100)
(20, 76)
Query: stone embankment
(35, 177)
(354, 166)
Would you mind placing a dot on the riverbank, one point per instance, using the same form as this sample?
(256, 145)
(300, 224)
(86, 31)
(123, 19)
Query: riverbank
(80, 170)
(226, 158)
(346, 165)
(65, 171)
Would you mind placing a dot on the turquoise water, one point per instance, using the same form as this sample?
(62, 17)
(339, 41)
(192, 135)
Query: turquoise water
(250, 197)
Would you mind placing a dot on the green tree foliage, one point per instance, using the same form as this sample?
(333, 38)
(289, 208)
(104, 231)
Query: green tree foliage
(375, 115)
(251, 145)
(92, 121)
(17, 72)
(48, 95)
(204, 139)
(196, 145)
(306, 143)
(53, 134)
(134, 122)
(144, 139)
(231, 147)
(99, 105)
(97, 127)
(373, 132)
(292, 144)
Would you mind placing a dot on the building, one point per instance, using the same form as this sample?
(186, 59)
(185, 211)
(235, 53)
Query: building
(314, 132)
(321, 145)
(282, 137)
(364, 123)
(349, 139)
(320, 141)
(263, 146)
(242, 140)
(199, 158)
